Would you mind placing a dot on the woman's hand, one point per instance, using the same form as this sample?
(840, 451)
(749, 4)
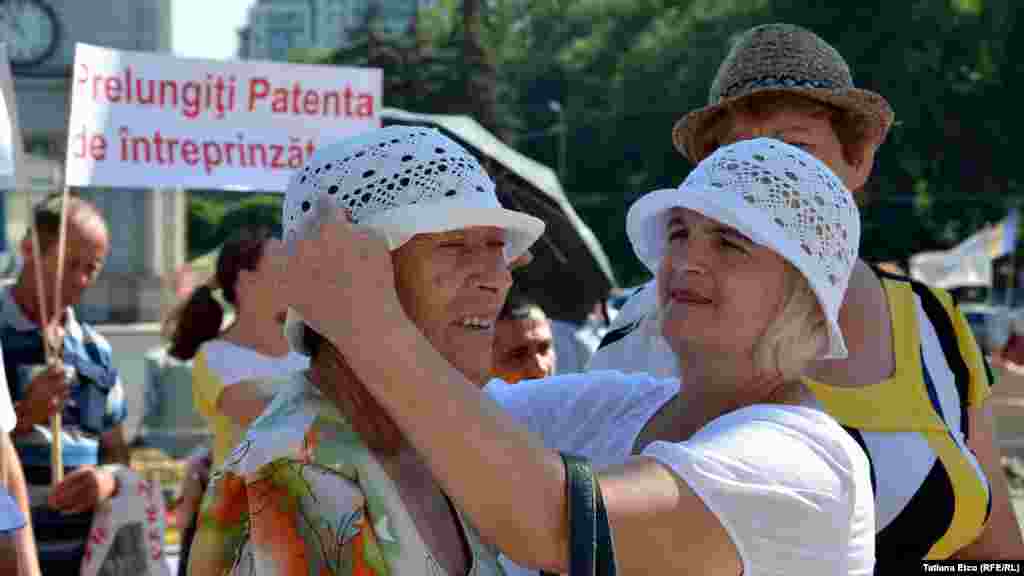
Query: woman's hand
(336, 275)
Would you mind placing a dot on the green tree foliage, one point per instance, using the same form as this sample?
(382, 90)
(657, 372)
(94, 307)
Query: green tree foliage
(626, 70)
(204, 216)
(214, 215)
(623, 71)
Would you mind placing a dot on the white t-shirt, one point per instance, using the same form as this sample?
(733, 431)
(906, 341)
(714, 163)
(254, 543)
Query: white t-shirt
(7, 417)
(573, 352)
(234, 363)
(790, 486)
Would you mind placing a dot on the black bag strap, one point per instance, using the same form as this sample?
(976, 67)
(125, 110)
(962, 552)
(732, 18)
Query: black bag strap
(590, 544)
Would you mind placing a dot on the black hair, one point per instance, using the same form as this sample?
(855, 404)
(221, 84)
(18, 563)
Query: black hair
(518, 307)
(201, 316)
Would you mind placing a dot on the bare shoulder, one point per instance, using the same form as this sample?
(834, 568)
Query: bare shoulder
(867, 328)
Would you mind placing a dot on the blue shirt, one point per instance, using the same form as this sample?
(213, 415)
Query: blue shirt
(96, 403)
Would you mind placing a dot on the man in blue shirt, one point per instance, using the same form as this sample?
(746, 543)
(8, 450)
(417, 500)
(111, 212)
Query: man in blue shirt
(84, 385)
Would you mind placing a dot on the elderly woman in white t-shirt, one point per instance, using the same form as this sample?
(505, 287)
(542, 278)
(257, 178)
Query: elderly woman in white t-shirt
(738, 472)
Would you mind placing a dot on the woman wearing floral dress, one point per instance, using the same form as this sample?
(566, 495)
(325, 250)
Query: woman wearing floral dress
(324, 482)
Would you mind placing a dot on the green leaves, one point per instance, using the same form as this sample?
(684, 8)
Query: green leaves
(625, 70)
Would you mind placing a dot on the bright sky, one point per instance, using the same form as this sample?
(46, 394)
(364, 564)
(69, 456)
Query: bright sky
(207, 28)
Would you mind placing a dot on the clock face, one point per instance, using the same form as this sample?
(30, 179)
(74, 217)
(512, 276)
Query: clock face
(30, 29)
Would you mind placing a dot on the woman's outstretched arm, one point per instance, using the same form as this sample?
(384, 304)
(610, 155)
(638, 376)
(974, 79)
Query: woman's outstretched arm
(340, 279)
(509, 483)
(497, 471)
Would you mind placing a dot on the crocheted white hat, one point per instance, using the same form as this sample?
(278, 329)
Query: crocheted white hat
(401, 181)
(778, 196)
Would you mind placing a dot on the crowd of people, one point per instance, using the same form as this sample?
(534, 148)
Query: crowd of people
(384, 401)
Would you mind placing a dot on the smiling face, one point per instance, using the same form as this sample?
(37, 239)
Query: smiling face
(452, 286)
(86, 248)
(718, 290)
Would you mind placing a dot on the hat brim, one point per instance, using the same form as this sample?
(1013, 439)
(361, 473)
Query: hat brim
(399, 225)
(690, 131)
(646, 232)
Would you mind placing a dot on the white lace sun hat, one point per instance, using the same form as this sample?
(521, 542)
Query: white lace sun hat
(781, 198)
(401, 181)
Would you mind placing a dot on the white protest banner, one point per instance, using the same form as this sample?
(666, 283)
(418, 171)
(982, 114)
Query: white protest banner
(150, 120)
(10, 138)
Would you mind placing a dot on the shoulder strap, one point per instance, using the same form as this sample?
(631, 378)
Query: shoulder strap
(590, 545)
(946, 333)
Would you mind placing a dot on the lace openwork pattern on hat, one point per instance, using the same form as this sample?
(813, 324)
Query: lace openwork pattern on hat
(805, 200)
(395, 168)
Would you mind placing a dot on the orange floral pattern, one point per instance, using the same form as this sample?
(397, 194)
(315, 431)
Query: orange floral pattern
(303, 496)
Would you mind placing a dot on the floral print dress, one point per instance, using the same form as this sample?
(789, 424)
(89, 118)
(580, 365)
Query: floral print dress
(302, 495)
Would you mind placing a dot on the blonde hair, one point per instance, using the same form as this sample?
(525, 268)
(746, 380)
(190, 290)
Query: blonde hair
(797, 336)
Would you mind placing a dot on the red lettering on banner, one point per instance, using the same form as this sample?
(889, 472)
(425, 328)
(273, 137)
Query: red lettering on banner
(83, 74)
(96, 86)
(93, 146)
(296, 101)
(277, 156)
(158, 143)
(191, 97)
(279, 104)
(258, 90)
(190, 152)
(98, 148)
(214, 95)
(161, 150)
(113, 86)
(165, 86)
(296, 93)
(311, 103)
(171, 143)
(228, 147)
(364, 107)
(211, 156)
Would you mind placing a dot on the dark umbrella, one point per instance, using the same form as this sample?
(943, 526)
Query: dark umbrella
(570, 271)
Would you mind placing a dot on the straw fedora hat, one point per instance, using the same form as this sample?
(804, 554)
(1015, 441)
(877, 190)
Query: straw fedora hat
(782, 58)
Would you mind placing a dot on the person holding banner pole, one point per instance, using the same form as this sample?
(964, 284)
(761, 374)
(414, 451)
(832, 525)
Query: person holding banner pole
(58, 365)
